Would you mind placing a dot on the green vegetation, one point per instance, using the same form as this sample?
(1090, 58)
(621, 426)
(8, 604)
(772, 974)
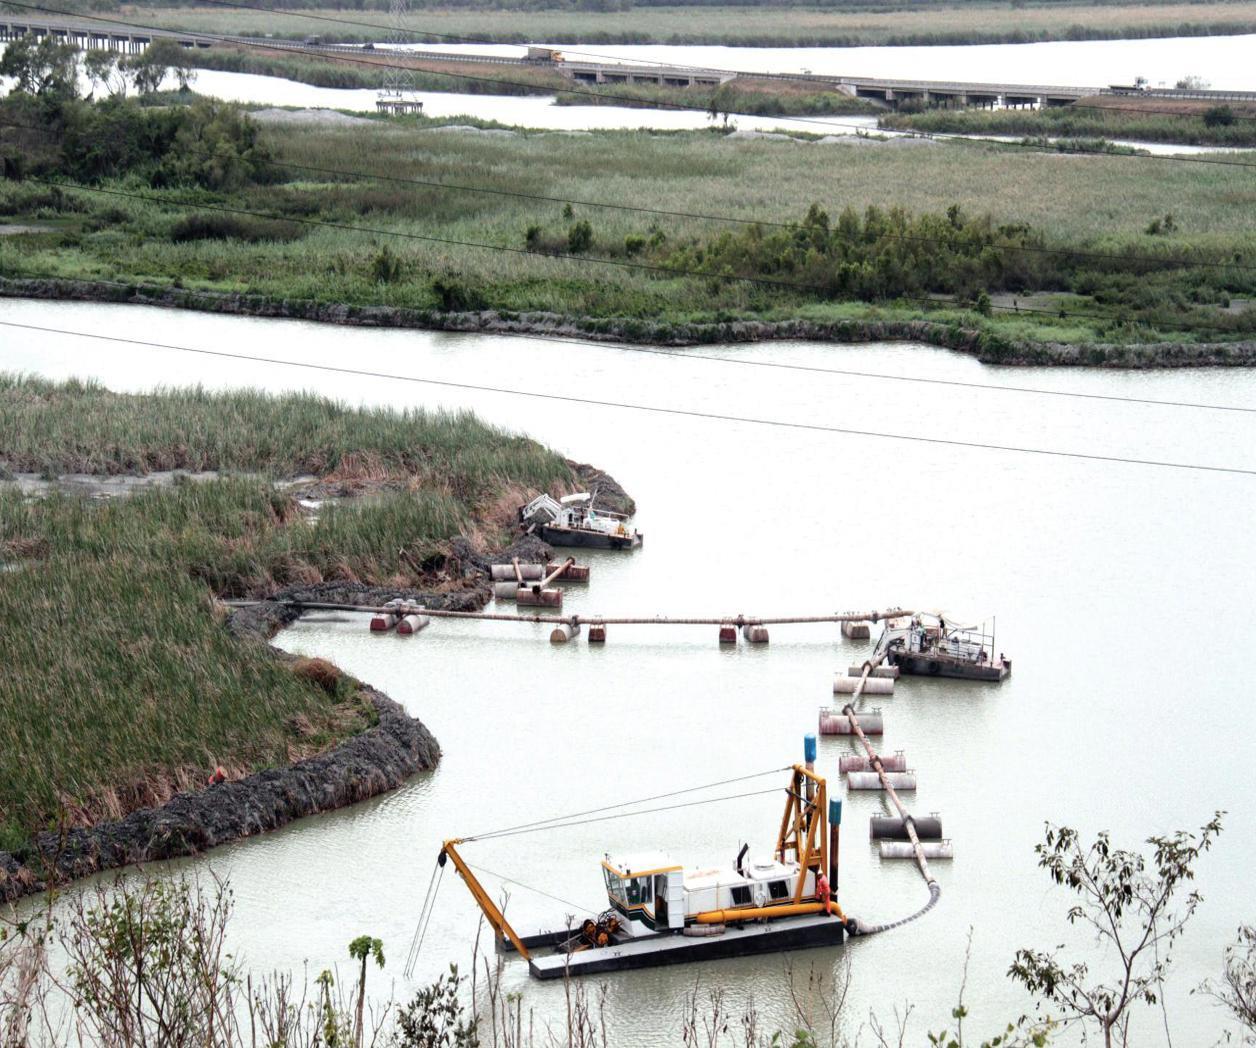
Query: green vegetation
(861, 22)
(120, 682)
(172, 234)
(1198, 125)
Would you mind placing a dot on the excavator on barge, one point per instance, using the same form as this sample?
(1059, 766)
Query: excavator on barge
(660, 912)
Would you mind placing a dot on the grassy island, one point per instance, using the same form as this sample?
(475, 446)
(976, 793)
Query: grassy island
(121, 683)
(1019, 244)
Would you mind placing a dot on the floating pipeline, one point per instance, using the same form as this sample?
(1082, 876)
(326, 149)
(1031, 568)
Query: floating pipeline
(987, 347)
(378, 760)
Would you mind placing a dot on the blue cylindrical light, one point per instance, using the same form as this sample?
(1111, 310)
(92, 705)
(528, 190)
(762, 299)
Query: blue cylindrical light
(809, 748)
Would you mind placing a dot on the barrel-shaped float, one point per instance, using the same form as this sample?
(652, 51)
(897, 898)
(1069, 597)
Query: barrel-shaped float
(856, 630)
(728, 633)
(563, 632)
(892, 828)
(872, 686)
(835, 722)
(412, 623)
(535, 597)
(506, 572)
(383, 621)
(855, 762)
(506, 590)
(568, 572)
(905, 850)
(877, 671)
(870, 780)
(754, 634)
(597, 634)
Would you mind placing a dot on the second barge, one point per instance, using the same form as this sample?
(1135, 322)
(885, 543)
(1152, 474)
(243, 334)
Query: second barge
(661, 913)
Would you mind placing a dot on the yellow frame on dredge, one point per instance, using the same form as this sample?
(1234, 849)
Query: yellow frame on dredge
(803, 833)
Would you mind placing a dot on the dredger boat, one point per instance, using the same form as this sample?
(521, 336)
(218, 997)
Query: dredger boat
(660, 912)
(928, 645)
(572, 521)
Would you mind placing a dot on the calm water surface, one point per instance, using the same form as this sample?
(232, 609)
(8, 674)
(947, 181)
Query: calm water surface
(1122, 593)
(1224, 61)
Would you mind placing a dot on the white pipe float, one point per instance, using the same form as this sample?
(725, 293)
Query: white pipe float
(563, 632)
(570, 571)
(754, 634)
(877, 671)
(862, 686)
(834, 722)
(897, 828)
(856, 629)
(506, 590)
(906, 850)
(526, 573)
(854, 762)
(536, 597)
(386, 618)
(412, 623)
(870, 780)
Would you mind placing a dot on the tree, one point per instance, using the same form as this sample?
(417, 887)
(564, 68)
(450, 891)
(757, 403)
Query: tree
(101, 68)
(1238, 989)
(1218, 116)
(1133, 911)
(161, 58)
(436, 1017)
(580, 237)
(44, 68)
(363, 948)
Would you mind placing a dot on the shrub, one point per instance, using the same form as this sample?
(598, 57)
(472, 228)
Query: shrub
(1218, 116)
(386, 268)
(580, 237)
(214, 225)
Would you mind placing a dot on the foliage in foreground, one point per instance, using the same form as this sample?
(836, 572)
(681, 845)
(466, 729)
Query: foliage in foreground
(145, 962)
(1131, 908)
(120, 682)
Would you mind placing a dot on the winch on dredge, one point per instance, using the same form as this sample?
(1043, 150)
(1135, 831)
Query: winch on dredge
(660, 912)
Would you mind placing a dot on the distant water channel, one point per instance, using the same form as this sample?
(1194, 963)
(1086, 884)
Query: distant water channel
(1122, 592)
(1224, 61)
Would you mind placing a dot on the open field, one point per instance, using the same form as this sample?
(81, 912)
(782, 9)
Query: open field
(765, 26)
(120, 683)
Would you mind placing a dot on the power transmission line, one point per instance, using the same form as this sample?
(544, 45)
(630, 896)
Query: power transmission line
(644, 408)
(290, 49)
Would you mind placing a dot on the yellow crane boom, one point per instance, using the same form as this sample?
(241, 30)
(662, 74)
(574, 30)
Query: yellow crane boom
(494, 916)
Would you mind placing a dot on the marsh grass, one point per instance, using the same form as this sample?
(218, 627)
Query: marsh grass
(1095, 203)
(766, 25)
(1084, 121)
(119, 682)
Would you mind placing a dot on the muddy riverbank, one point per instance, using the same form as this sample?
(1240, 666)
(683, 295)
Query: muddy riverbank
(985, 346)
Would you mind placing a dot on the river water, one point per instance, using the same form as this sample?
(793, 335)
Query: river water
(1121, 592)
(1224, 61)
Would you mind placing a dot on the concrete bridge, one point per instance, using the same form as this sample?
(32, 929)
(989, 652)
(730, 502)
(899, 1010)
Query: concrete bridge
(88, 35)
